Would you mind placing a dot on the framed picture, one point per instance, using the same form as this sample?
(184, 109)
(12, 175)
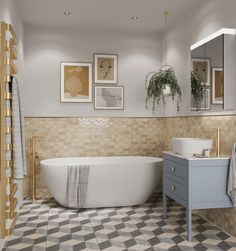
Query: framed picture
(206, 101)
(203, 68)
(105, 69)
(217, 86)
(109, 98)
(76, 82)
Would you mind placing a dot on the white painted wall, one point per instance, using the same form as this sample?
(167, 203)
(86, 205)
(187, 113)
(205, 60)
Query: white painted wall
(45, 48)
(139, 53)
(203, 21)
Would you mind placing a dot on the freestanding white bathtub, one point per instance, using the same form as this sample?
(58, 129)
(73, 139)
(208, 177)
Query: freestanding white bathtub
(113, 181)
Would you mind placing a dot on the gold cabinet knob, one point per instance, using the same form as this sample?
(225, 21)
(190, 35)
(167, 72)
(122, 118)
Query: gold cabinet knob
(172, 168)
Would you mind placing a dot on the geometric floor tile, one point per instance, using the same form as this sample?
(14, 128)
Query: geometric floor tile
(43, 225)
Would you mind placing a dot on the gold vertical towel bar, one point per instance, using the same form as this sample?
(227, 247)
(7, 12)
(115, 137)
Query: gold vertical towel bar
(34, 158)
(7, 56)
(3, 134)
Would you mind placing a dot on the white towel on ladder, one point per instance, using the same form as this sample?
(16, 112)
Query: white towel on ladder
(231, 191)
(19, 158)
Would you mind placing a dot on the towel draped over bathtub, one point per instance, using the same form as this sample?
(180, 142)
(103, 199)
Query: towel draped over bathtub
(232, 176)
(77, 185)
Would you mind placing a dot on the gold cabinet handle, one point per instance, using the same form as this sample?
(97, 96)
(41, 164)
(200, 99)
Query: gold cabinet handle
(172, 168)
(172, 188)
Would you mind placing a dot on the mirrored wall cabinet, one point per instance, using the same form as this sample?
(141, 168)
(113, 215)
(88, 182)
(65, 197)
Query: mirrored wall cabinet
(213, 72)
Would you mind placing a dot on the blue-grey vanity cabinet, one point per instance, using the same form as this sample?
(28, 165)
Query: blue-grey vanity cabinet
(195, 183)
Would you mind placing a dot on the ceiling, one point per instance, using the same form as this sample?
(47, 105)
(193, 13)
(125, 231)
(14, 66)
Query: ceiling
(104, 14)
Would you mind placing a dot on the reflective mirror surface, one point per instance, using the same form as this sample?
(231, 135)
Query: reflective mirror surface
(207, 76)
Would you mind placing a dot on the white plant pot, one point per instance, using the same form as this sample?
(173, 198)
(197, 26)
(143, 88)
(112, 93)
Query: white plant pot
(166, 91)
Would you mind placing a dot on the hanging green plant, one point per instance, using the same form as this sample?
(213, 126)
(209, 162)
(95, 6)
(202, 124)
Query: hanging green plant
(157, 84)
(197, 89)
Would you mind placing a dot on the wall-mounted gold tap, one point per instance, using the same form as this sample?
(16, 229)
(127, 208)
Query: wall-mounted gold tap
(34, 159)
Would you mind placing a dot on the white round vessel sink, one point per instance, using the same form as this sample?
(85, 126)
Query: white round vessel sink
(187, 147)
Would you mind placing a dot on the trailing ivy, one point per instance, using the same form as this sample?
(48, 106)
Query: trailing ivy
(157, 83)
(197, 89)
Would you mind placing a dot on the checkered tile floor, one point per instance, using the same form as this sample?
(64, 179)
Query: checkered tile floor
(45, 225)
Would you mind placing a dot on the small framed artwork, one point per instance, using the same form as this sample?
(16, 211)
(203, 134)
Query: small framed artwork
(76, 82)
(109, 97)
(217, 86)
(206, 101)
(105, 68)
(202, 66)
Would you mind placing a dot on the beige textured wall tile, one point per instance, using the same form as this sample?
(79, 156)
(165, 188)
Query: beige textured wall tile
(62, 137)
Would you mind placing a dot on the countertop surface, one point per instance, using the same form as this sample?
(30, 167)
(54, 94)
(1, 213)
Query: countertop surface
(196, 158)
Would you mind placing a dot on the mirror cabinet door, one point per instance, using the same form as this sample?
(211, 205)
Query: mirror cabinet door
(207, 76)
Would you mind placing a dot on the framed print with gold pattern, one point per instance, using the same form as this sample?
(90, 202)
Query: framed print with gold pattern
(76, 82)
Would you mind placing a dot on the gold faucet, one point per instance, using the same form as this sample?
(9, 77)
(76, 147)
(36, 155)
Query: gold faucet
(34, 158)
(218, 143)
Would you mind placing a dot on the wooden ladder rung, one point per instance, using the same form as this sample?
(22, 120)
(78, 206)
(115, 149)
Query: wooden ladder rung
(10, 229)
(14, 189)
(8, 95)
(13, 69)
(11, 49)
(13, 53)
(8, 113)
(13, 34)
(13, 206)
(8, 147)
(8, 129)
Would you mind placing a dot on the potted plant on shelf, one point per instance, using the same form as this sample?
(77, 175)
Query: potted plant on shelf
(197, 89)
(158, 84)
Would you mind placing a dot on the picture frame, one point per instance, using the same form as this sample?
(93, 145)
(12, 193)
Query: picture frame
(76, 82)
(108, 97)
(217, 85)
(206, 102)
(202, 66)
(105, 68)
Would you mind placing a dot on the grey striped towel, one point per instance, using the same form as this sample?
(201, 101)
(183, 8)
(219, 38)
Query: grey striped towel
(19, 165)
(77, 185)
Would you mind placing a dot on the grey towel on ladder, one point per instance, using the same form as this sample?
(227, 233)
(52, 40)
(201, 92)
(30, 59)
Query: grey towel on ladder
(232, 176)
(19, 166)
(77, 185)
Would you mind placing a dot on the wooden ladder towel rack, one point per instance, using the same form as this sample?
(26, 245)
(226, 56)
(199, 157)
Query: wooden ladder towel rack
(8, 189)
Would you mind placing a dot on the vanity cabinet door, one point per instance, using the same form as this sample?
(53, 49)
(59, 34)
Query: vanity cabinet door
(209, 184)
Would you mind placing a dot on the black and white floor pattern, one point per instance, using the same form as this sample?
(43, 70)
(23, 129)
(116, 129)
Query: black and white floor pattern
(45, 225)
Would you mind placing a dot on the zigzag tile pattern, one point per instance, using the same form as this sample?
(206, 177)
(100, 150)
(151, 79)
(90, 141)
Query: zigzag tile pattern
(43, 225)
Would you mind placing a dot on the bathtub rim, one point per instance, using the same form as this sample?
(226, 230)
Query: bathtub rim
(56, 161)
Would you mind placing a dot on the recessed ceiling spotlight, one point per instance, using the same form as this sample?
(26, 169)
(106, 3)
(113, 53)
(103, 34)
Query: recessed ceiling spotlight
(134, 17)
(67, 13)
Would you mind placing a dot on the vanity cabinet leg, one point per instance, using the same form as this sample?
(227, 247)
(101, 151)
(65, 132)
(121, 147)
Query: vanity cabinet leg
(189, 223)
(164, 206)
